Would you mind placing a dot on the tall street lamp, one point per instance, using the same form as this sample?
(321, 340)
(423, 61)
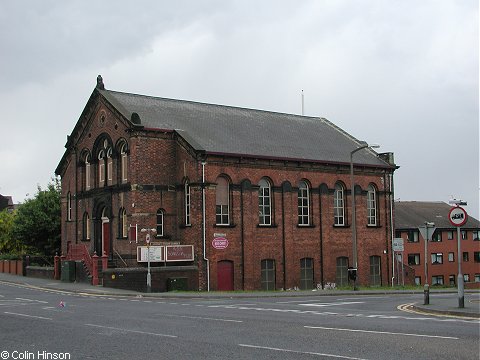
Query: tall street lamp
(354, 227)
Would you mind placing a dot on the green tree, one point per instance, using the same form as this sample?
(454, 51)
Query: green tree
(37, 222)
(8, 245)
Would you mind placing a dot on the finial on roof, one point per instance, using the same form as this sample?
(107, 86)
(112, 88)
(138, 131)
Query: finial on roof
(100, 84)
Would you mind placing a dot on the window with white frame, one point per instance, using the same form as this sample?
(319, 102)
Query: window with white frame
(123, 226)
(264, 203)
(339, 205)
(465, 256)
(464, 235)
(160, 222)
(477, 278)
(413, 259)
(475, 235)
(86, 226)
(222, 208)
(449, 235)
(451, 256)
(101, 168)
(466, 277)
(303, 204)
(87, 172)
(412, 236)
(437, 258)
(371, 206)
(109, 166)
(124, 162)
(437, 280)
(187, 203)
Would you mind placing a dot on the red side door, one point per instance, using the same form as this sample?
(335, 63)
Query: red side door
(225, 275)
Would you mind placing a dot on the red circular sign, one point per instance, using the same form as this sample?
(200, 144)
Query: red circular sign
(220, 243)
(457, 216)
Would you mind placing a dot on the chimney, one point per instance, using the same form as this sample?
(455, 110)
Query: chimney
(100, 84)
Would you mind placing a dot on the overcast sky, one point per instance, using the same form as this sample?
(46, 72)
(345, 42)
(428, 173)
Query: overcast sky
(403, 74)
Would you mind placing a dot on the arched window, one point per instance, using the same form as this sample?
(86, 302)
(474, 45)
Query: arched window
(86, 226)
(101, 168)
(187, 203)
(375, 271)
(109, 166)
(342, 271)
(303, 203)
(122, 223)
(264, 203)
(124, 162)
(160, 222)
(87, 172)
(69, 206)
(339, 205)
(306, 274)
(371, 206)
(222, 202)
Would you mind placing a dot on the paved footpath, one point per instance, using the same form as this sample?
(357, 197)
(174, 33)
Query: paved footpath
(438, 305)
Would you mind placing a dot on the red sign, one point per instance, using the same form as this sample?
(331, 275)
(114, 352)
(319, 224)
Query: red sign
(179, 253)
(220, 243)
(457, 216)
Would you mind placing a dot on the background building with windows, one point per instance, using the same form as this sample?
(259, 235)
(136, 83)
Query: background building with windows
(442, 254)
(264, 198)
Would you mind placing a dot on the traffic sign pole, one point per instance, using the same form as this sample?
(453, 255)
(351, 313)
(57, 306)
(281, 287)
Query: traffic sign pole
(458, 217)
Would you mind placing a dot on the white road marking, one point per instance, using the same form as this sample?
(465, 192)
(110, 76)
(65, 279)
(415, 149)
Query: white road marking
(201, 318)
(39, 301)
(300, 352)
(382, 332)
(29, 316)
(130, 331)
(333, 304)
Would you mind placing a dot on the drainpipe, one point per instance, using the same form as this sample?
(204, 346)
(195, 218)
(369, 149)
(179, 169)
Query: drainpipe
(204, 235)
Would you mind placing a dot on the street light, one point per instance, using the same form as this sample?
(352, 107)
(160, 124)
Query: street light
(147, 240)
(364, 145)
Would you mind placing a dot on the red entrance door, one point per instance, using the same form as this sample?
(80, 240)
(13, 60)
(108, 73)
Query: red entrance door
(105, 237)
(225, 275)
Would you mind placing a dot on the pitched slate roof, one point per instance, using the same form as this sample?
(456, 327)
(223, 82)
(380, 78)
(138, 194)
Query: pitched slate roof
(412, 214)
(228, 130)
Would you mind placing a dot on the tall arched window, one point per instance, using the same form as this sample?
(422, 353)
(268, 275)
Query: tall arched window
(87, 172)
(371, 206)
(264, 203)
(222, 203)
(187, 203)
(339, 205)
(86, 226)
(109, 166)
(122, 223)
(124, 162)
(101, 168)
(303, 203)
(160, 222)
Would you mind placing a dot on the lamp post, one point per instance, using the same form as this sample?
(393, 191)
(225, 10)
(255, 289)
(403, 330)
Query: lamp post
(364, 145)
(147, 240)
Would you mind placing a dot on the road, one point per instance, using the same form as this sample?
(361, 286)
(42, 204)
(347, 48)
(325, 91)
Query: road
(37, 323)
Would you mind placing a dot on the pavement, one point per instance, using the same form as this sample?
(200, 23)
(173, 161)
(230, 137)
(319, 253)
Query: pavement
(439, 306)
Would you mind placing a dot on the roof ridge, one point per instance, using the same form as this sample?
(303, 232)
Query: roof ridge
(218, 105)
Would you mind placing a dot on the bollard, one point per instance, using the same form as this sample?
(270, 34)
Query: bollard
(426, 295)
(95, 281)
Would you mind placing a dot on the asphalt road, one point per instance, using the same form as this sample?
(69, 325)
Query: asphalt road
(48, 324)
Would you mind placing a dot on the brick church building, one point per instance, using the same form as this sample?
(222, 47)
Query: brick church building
(231, 198)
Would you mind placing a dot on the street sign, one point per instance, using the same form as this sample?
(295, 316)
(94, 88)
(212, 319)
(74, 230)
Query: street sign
(457, 216)
(397, 244)
(427, 231)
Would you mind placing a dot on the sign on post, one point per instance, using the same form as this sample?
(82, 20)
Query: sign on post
(397, 244)
(457, 216)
